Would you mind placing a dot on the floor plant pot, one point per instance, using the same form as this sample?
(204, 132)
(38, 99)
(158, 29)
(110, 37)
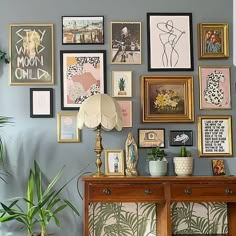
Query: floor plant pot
(183, 166)
(158, 168)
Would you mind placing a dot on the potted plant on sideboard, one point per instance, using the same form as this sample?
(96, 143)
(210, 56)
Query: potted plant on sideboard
(184, 162)
(157, 162)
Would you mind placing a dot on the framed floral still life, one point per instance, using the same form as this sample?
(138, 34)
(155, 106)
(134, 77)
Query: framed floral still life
(167, 99)
(83, 74)
(32, 54)
(126, 42)
(215, 88)
(215, 136)
(148, 138)
(170, 43)
(114, 162)
(126, 111)
(82, 30)
(121, 83)
(218, 167)
(213, 40)
(67, 130)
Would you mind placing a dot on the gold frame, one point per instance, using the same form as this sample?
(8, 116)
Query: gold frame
(45, 54)
(201, 133)
(224, 29)
(118, 152)
(149, 80)
(76, 139)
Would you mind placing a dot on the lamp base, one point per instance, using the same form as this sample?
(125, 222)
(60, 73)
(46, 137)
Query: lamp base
(97, 174)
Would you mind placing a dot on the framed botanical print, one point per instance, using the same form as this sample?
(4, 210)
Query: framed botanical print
(181, 138)
(126, 111)
(83, 74)
(82, 29)
(126, 42)
(32, 54)
(121, 83)
(67, 128)
(167, 99)
(213, 40)
(215, 92)
(215, 136)
(170, 41)
(148, 138)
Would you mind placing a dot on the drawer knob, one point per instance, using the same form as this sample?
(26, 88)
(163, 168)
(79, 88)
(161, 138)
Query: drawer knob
(188, 191)
(228, 191)
(148, 191)
(107, 191)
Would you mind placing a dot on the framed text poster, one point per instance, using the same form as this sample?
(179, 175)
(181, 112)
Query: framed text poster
(31, 52)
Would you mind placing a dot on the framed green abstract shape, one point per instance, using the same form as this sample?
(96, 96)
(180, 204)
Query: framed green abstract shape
(31, 53)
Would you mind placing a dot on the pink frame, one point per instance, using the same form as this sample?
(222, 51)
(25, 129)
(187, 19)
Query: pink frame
(126, 110)
(215, 91)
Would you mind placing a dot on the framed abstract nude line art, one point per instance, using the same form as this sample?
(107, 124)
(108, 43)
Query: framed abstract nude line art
(181, 138)
(67, 130)
(82, 29)
(114, 162)
(32, 54)
(167, 99)
(41, 102)
(83, 74)
(215, 136)
(148, 138)
(215, 87)
(213, 40)
(126, 42)
(170, 41)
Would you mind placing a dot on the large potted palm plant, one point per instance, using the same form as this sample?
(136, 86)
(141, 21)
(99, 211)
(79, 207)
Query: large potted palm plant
(41, 204)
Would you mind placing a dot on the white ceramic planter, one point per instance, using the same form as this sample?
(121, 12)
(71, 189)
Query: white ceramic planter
(183, 166)
(158, 168)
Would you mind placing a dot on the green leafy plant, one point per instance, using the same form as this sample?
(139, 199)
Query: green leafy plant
(184, 152)
(122, 84)
(3, 56)
(156, 154)
(41, 203)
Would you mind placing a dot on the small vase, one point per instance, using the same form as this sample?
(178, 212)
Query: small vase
(183, 166)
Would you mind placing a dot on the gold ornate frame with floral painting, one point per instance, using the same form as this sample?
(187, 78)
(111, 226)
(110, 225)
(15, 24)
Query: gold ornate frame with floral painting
(167, 99)
(213, 40)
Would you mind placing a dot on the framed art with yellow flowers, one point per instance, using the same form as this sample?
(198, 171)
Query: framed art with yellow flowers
(167, 99)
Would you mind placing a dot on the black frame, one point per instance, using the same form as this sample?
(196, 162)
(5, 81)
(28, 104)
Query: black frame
(84, 43)
(174, 133)
(170, 31)
(150, 137)
(39, 115)
(102, 88)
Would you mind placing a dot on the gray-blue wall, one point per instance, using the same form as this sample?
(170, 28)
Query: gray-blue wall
(35, 138)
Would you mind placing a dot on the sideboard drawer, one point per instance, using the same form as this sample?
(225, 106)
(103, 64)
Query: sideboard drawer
(126, 192)
(203, 192)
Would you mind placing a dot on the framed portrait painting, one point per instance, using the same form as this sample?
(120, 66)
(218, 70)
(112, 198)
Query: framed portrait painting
(82, 29)
(121, 83)
(218, 167)
(170, 43)
(114, 162)
(148, 138)
(215, 136)
(126, 42)
(167, 99)
(213, 40)
(32, 54)
(181, 138)
(83, 74)
(215, 92)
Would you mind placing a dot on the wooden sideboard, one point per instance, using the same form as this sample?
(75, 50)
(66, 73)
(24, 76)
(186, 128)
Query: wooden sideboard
(164, 191)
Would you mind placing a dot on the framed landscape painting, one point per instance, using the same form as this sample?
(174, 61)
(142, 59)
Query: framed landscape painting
(215, 92)
(167, 99)
(82, 29)
(83, 74)
(170, 41)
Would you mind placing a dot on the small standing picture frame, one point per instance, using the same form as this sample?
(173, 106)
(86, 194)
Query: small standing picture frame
(181, 138)
(126, 111)
(41, 102)
(215, 87)
(67, 128)
(114, 162)
(121, 83)
(218, 167)
(213, 40)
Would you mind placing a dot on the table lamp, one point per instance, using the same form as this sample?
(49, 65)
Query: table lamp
(98, 112)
